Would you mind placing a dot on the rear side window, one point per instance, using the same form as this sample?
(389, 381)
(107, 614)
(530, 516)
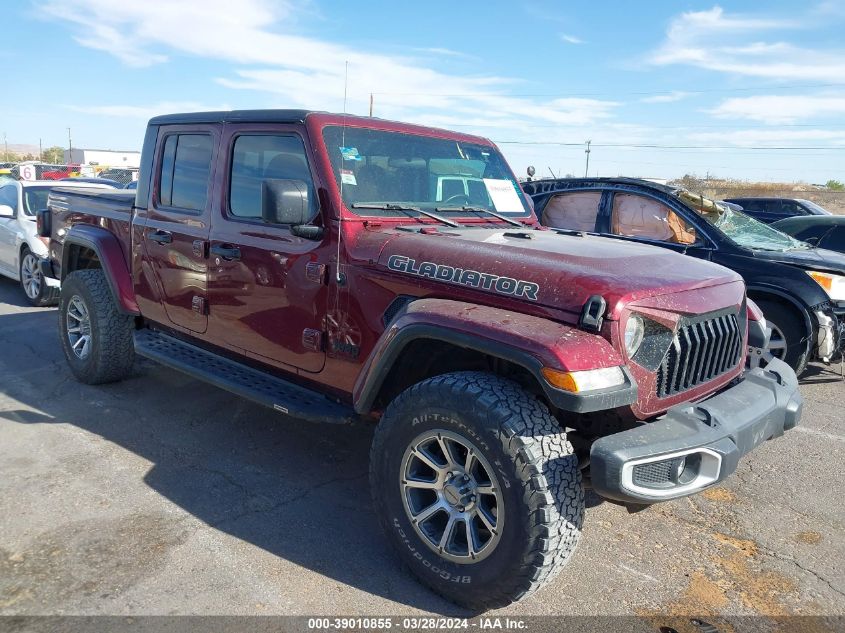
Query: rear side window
(256, 158)
(640, 216)
(185, 169)
(576, 211)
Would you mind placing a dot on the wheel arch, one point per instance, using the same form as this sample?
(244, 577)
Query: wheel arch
(770, 293)
(457, 336)
(87, 247)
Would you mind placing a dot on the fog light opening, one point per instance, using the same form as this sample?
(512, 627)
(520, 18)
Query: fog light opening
(688, 469)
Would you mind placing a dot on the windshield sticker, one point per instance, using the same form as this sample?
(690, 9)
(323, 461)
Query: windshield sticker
(347, 177)
(469, 278)
(350, 153)
(504, 196)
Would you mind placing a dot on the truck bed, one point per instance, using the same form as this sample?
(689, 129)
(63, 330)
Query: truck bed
(105, 208)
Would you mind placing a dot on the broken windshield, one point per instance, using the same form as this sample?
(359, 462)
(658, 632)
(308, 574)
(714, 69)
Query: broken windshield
(377, 169)
(742, 229)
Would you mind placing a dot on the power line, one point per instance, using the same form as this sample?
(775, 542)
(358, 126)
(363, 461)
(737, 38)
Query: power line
(600, 94)
(656, 146)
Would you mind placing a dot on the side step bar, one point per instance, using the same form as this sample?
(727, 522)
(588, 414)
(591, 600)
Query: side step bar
(263, 388)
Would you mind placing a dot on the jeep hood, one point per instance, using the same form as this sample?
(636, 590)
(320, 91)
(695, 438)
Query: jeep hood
(553, 270)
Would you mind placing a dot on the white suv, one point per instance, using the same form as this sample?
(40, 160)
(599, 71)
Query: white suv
(20, 247)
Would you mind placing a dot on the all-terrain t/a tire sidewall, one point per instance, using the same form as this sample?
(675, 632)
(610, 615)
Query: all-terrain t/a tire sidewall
(542, 497)
(789, 321)
(112, 353)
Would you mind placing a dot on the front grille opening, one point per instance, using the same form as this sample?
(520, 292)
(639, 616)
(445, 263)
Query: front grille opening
(702, 350)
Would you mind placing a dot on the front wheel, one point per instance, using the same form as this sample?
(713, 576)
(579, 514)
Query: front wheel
(96, 337)
(788, 341)
(37, 292)
(477, 488)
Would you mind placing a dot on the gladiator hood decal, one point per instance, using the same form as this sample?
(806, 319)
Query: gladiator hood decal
(470, 278)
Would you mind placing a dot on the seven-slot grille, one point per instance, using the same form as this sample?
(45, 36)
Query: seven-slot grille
(701, 350)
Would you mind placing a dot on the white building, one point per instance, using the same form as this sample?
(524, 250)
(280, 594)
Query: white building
(103, 158)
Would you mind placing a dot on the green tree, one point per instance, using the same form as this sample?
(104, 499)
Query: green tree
(835, 185)
(53, 154)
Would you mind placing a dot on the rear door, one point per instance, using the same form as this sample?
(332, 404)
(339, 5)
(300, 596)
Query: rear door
(176, 226)
(269, 287)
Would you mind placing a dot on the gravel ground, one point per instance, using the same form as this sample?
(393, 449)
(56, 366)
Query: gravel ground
(162, 495)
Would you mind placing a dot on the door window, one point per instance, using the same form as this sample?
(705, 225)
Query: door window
(9, 196)
(264, 157)
(639, 216)
(185, 168)
(576, 211)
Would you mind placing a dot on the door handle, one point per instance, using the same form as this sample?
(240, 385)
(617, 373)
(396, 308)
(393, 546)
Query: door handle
(226, 251)
(162, 237)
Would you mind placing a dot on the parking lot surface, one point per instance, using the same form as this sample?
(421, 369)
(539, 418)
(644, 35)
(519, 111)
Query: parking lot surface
(163, 495)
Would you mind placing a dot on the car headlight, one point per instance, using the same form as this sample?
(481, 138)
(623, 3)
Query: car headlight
(587, 380)
(634, 331)
(834, 285)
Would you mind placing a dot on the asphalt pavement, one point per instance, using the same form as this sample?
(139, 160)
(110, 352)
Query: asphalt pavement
(163, 495)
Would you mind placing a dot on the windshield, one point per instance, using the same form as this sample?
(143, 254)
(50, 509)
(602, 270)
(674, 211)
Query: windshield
(742, 229)
(374, 167)
(35, 199)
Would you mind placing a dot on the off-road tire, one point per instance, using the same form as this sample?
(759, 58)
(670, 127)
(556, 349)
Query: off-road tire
(790, 322)
(536, 469)
(112, 352)
(47, 295)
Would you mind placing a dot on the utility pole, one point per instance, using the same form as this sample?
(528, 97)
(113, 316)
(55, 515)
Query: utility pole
(5, 148)
(69, 148)
(587, 152)
(40, 152)
(371, 104)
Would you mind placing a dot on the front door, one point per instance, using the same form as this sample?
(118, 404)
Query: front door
(268, 288)
(8, 229)
(175, 227)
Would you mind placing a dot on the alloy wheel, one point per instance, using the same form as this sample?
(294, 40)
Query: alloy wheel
(31, 279)
(451, 496)
(762, 356)
(78, 326)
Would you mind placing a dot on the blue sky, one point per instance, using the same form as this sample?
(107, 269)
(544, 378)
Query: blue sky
(706, 83)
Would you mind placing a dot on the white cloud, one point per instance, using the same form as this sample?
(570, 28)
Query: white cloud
(779, 109)
(571, 39)
(713, 39)
(270, 55)
(675, 95)
(778, 137)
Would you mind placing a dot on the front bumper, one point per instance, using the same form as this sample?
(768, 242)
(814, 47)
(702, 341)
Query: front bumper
(696, 445)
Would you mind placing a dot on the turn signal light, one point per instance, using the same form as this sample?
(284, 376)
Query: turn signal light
(588, 380)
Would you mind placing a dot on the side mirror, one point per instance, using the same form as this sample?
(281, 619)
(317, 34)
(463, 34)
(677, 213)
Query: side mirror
(43, 222)
(6, 211)
(284, 201)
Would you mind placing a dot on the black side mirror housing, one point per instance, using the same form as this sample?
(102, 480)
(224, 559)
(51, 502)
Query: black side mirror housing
(43, 222)
(285, 201)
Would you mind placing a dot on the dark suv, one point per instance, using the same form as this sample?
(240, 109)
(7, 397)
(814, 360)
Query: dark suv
(797, 286)
(772, 209)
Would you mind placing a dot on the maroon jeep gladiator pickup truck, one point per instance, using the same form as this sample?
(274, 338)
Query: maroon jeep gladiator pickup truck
(339, 268)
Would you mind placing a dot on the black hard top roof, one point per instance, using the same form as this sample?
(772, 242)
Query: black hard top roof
(233, 116)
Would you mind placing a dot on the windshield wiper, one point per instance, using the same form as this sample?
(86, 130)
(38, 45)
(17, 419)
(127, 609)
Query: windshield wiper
(405, 207)
(504, 218)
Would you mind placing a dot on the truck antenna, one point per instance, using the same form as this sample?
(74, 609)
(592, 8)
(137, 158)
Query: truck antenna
(338, 274)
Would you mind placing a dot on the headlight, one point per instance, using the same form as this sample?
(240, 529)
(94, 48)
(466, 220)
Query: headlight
(834, 285)
(588, 380)
(634, 331)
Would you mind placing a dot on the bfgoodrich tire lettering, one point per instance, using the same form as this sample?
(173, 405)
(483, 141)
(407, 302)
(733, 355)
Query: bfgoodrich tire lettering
(87, 308)
(541, 492)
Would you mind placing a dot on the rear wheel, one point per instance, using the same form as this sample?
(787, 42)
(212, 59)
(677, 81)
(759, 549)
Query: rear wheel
(789, 340)
(37, 292)
(96, 337)
(477, 488)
